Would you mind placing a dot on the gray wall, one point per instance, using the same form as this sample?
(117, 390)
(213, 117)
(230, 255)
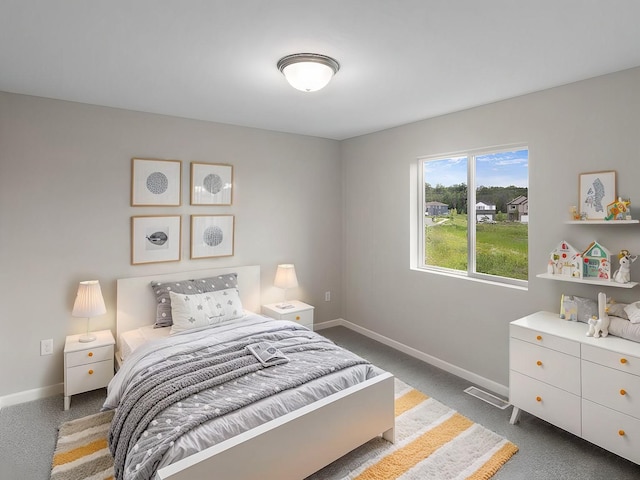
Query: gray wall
(582, 127)
(65, 213)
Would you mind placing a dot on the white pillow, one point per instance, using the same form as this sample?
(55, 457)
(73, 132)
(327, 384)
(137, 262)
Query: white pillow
(633, 311)
(193, 311)
(228, 302)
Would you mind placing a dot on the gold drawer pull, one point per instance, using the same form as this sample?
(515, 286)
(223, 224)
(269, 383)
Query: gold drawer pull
(538, 399)
(539, 363)
(623, 360)
(623, 391)
(621, 433)
(539, 337)
(297, 317)
(90, 354)
(90, 372)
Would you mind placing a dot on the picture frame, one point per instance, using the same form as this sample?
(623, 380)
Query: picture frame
(211, 184)
(156, 238)
(212, 236)
(596, 190)
(156, 183)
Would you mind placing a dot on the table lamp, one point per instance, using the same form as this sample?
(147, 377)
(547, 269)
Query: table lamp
(285, 279)
(89, 303)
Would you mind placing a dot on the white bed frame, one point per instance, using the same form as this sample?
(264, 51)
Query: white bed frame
(290, 447)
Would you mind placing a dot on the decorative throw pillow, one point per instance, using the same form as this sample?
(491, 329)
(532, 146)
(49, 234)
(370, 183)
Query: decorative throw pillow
(633, 311)
(228, 301)
(578, 309)
(617, 310)
(221, 282)
(162, 290)
(193, 311)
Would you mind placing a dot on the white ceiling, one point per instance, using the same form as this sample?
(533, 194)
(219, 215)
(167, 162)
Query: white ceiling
(401, 60)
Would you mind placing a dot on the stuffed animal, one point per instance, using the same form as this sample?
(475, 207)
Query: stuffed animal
(623, 274)
(600, 326)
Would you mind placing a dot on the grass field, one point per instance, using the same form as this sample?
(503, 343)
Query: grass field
(501, 248)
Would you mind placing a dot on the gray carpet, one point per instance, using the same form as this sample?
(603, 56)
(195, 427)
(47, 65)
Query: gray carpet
(28, 431)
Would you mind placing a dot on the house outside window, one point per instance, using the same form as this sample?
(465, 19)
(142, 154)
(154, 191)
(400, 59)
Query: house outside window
(484, 233)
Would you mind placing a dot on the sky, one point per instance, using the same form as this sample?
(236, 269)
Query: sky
(492, 170)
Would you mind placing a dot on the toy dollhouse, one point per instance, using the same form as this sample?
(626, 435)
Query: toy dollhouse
(596, 262)
(565, 260)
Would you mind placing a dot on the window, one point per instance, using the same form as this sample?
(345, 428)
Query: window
(475, 213)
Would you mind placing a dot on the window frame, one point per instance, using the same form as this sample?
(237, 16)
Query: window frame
(471, 272)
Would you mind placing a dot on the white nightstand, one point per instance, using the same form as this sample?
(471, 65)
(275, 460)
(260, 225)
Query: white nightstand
(300, 312)
(87, 366)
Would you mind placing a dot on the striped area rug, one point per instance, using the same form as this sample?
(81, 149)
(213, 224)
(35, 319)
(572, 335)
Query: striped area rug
(82, 452)
(432, 442)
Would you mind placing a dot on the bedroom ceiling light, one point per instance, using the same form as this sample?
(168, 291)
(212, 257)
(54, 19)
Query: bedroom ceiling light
(308, 72)
(89, 303)
(285, 279)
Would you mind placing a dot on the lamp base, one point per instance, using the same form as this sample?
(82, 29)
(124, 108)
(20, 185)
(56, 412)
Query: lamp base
(86, 338)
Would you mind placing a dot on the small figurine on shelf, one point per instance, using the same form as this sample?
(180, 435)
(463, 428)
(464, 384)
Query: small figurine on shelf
(618, 210)
(623, 274)
(575, 215)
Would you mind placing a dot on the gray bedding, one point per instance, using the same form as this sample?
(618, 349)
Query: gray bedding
(179, 395)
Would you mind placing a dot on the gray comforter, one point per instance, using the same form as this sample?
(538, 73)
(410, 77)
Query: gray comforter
(187, 381)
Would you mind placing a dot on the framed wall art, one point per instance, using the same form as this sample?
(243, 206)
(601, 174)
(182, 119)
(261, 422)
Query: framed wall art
(156, 238)
(596, 191)
(212, 236)
(211, 184)
(156, 182)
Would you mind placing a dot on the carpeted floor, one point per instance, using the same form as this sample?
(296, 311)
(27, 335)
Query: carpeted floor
(432, 441)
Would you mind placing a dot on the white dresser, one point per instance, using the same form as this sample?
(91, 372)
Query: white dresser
(587, 386)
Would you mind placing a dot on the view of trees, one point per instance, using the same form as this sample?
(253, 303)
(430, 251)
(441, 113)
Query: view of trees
(456, 195)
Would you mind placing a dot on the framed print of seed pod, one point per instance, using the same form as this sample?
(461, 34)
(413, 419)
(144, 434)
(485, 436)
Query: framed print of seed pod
(212, 236)
(156, 238)
(156, 182)
(211, 184)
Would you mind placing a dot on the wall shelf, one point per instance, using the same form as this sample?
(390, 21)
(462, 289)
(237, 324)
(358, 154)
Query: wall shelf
(601, 222)
(589, 281)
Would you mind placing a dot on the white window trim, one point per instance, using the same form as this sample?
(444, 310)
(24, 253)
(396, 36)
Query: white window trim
(417, 232)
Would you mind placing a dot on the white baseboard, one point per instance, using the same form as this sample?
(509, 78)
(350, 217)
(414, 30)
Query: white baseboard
(431, 360)
(30, 395)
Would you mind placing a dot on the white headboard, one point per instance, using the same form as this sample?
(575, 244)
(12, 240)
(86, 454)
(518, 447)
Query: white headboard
(136, 302)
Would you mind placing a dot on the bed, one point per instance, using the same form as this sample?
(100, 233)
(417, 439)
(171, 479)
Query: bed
(291, 445)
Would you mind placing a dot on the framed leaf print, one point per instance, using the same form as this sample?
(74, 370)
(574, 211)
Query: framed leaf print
(156, 238)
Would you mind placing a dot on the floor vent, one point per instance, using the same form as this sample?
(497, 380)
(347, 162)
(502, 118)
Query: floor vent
(487, 397)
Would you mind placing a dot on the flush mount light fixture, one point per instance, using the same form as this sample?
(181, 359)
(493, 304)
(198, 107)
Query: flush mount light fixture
(308, 72)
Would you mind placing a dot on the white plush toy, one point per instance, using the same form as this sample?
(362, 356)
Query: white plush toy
(623, 274)
(600, 326)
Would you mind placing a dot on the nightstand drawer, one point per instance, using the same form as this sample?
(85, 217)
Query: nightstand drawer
(615, 431)
(549, 403)
(611, 388)
(550, 366)
(91, 355)
(88, 377)
(303, 318)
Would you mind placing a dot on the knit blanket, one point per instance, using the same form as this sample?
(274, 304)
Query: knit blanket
(205, 382)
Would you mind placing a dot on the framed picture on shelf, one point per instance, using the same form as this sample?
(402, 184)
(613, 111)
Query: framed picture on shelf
(596, 191)
(156, 238)
(212, 236)
(156, 182)
(211, 184)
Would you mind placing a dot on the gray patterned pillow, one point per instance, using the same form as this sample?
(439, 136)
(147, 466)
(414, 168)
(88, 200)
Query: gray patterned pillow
(188, 287)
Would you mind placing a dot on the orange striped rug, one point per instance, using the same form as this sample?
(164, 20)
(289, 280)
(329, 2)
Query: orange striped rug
(432, 442)
(82, 452)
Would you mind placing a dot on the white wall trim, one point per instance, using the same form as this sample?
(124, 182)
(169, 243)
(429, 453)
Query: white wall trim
(30, 395)
(431, 360)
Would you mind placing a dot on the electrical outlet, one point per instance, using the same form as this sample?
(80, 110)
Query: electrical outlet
(46, 347)
(327, 296)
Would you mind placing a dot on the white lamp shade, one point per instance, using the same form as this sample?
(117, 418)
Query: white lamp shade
(89, 301)
(286, 276)
(308, 76)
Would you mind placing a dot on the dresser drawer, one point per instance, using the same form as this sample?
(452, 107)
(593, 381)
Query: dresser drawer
(550, 366)
(615, 431)
(553, 342)
(88, 377)
(608, 358)
(611, 388)
(303, 318)
(84, 357)
(549, 403)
